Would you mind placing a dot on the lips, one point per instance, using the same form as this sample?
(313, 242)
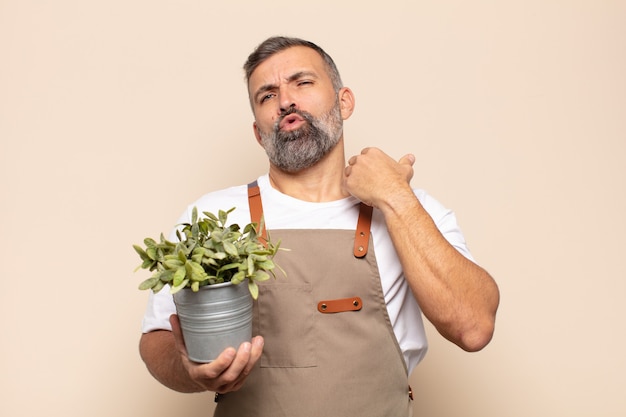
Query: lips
(291, 122)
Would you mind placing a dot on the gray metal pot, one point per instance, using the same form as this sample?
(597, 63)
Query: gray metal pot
(214, 318)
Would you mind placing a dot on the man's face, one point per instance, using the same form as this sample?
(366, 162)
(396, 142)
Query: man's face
(298, 118)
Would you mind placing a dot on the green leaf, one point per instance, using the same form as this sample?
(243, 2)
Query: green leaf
(149, 283)
(203, 229)
(216, 236)
(147, 264)
(198, 254)
(149, 242)
(258, 258)
(158, 287)
(229, 266)
(142, 253)
(254, 289)
(266, 265)
(152, 252)
(261, 276)
(177, 288)
(230, 248)
(218, 255)
(172, 263)
(195, 271)
(210, 261)
(160, 254)
(167, 275)
(165, 241)
(251, 267)
(238, 277)
(179, 276)
(210, 215)
(222, 216)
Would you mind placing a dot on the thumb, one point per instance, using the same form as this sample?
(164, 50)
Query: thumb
(408, 159)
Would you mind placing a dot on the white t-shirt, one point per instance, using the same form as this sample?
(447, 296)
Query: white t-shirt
(284, 212)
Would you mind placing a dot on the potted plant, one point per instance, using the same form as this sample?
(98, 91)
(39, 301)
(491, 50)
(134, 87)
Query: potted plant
(203, 270)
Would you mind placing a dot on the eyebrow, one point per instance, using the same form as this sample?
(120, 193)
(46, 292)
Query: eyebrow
(293, 77)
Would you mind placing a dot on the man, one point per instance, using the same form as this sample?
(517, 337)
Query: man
(332, 360)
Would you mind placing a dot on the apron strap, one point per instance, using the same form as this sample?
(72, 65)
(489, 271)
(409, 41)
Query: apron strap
(256, 210)
(361, 236)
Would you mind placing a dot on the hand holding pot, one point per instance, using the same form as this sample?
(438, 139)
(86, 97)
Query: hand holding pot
(228, 371)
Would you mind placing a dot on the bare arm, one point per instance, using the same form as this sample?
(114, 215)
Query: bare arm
(165, 356)
(456, 295)
(159, 353)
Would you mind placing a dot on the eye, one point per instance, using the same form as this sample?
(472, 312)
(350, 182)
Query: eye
(304, 82)
(266, 97)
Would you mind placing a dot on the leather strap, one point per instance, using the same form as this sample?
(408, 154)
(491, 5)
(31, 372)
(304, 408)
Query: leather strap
(362, 235)
(256, 209)
(340, 305)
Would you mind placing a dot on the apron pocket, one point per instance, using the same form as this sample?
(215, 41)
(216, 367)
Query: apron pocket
(286, 314)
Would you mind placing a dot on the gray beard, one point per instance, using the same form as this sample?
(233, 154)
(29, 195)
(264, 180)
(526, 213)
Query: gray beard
(302, 148)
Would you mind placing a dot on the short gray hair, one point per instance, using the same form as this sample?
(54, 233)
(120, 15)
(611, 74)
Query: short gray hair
(275, 44)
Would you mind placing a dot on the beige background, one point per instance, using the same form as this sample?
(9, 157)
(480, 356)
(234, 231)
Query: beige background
(116, 114)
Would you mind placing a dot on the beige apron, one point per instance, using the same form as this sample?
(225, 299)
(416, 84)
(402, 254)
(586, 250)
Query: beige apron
(329, 347)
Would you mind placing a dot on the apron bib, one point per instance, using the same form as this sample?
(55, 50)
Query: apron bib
(329, 347)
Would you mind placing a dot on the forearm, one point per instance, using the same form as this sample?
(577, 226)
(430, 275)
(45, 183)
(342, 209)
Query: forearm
(456, 295)
(159, 353)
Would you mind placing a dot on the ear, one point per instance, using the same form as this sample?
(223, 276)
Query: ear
(256, 134)
(346, 102)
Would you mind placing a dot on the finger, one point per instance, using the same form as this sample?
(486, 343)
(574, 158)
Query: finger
(408, 159)
(218, 367)
(407, 162)
(255, 353)
(232, 378)
(210, 375)
(238, 363)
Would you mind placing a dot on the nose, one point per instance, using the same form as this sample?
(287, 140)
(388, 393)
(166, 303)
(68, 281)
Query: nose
(287, 100)
(287, 110)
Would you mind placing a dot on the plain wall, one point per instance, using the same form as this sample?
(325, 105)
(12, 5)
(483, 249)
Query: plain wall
(114, 115)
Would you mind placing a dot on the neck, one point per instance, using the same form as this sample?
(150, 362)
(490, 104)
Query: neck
(318, 183)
